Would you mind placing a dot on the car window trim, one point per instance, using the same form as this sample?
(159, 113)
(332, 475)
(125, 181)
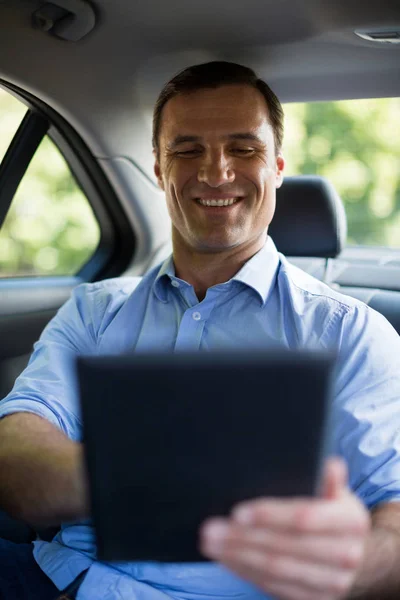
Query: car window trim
(117, 245)
(18, 156)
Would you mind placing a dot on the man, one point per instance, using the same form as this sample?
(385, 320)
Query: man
(217, 145)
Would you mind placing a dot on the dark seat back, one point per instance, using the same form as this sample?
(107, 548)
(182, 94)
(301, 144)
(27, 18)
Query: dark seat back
(309, 219)
(310, 223)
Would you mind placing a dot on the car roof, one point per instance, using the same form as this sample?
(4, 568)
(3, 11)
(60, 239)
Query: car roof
(304, 50)
(304, 44)
(105, 84)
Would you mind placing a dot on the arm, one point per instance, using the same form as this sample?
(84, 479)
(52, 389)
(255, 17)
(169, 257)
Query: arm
(41, 471)
(379, 574)
(41, 474)
(332, 547)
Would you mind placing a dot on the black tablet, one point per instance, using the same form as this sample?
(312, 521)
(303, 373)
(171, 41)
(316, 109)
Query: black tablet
(173, 439)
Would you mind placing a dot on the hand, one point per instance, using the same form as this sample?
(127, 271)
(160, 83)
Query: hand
(295, 549)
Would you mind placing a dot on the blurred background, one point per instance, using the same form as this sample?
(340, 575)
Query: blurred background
(51, 229)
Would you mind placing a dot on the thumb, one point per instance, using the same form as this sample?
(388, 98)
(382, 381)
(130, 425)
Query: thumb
(334, 480)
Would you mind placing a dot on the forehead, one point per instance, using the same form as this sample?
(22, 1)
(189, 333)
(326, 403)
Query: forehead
(216, 112)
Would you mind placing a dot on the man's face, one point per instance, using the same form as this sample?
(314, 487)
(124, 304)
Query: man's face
(217, 146)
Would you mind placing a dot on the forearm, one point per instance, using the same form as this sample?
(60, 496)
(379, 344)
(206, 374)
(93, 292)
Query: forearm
(379, 575)
(42, 477)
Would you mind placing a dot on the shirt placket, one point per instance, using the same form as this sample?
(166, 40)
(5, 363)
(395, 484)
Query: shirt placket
(193, 321)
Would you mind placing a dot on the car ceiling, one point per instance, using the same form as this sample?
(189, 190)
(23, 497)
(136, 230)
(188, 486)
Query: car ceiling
(305, 50)
(106, 84)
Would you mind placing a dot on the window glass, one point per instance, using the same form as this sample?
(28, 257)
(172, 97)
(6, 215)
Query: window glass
(356, 145)
(12, 112)
(50, 228)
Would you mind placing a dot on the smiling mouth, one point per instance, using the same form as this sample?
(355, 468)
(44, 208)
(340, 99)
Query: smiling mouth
(218, 202)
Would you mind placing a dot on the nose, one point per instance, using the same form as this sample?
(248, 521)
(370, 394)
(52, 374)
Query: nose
(215, 170)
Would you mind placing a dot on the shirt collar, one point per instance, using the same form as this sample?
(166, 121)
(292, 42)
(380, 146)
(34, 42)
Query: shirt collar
(257, 273)
(260, 271)
(163, 279)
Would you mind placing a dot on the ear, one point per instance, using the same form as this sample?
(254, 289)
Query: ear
(280, 167)
(157, 170)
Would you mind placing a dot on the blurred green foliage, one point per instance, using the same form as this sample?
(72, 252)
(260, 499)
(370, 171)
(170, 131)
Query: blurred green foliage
(51, 230)
(356, 145)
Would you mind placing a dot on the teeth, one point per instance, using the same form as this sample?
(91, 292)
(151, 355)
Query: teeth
(218, 202)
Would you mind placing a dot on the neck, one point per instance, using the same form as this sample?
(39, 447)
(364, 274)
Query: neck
(207, 268)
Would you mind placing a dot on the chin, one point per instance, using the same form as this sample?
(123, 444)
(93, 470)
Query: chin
(217, 245)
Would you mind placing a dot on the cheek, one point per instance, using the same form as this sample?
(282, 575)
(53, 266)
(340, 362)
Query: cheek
(261, 186)
(177, 182)
(179, 175)
(267, 178)
(264, 181)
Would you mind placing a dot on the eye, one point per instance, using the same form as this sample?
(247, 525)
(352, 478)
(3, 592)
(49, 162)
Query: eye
(243, 151)
(188, 153)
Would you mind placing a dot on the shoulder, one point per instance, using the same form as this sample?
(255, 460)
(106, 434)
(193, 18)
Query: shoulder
(118, 287)
(334, 317)
(114, 291)
(88, 310)
(97, 297)
(306, 286)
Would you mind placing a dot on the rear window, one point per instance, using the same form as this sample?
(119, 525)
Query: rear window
(11, 114)
(356, 145)
(50, 227)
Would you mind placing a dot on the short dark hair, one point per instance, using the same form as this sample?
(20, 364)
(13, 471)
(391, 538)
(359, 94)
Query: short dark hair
(212, 75)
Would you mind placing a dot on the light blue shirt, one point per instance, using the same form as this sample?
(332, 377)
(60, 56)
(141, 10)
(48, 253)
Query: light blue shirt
(268, 303)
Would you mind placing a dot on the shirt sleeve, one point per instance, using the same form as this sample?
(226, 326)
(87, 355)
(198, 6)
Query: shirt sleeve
(47, 387)
(366, 410)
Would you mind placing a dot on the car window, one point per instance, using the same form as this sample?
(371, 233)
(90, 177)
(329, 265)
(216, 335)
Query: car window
(50, 228)
(12, 112)
(356, 145)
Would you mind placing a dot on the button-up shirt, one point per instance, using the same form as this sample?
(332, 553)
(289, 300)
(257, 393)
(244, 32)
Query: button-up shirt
(269, 303)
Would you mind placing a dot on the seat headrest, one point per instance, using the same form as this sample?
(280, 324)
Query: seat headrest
(310, 219)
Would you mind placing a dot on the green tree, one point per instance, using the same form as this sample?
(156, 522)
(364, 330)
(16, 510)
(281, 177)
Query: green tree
(355, 144)
(50, 228)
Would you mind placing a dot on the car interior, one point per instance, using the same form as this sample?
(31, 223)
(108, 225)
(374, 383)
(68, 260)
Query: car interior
(88, 74)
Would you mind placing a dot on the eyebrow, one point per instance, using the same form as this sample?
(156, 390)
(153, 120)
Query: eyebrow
(247, 135)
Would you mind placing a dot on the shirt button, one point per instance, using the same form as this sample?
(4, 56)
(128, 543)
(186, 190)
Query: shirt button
(196, 316)
(175, 283)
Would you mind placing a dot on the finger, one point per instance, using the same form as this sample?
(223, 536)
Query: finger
(334, 481)
(342, 552)
(319, 516)
(268, 569)
(285, 591)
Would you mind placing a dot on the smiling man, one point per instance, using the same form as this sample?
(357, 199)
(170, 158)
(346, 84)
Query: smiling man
(217, 139)
(219, 162)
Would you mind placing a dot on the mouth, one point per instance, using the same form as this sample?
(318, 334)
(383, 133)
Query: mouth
(218, 202)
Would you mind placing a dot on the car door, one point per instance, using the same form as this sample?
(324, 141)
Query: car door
(60, 223)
